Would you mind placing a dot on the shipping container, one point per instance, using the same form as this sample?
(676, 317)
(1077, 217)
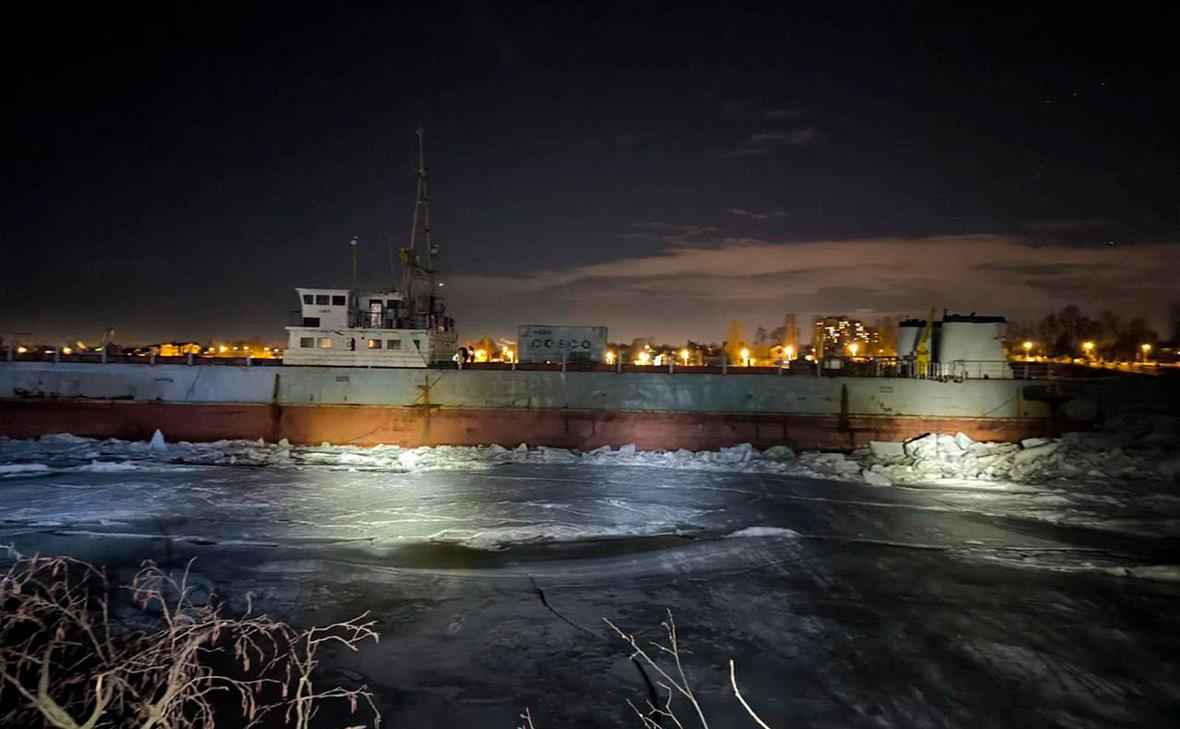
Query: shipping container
(547, 343)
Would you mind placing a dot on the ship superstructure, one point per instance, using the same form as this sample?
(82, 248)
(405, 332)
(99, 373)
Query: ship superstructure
(408, 327)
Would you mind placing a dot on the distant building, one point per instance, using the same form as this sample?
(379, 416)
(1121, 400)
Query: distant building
(177, 349)
(833, 336)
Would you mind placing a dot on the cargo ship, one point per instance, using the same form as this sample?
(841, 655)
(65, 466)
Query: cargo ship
(375, 366)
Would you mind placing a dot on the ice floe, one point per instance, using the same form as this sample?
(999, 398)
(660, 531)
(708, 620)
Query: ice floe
(762, 531)
(1154, 572)
(1087, 456)
(21, 469)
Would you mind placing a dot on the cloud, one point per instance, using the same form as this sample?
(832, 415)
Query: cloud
(670, 233)
(747, 152)
(1042, 269)
(1053, 226)
(756, 216)
(783, 114)
(763, 143)
(796, 138)
(689, 290)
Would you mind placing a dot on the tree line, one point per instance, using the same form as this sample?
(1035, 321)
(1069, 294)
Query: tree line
(1062, 333)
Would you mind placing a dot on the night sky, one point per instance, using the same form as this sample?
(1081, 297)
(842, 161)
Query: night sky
(658, 169)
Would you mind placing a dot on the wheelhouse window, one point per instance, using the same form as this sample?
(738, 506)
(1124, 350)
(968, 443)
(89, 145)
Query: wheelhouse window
(311, 321)
(393, 344)
(321, 299)
(325, 342)
(374, 344)
(307, 342)
(308, 299)
(338, 301)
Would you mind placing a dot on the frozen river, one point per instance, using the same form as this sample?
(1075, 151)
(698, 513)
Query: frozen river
(945, 604)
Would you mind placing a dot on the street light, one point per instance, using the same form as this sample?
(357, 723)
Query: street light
(745, 353)
(1146, 350)
(790, 352)
(852, 348)
(684, 356)
(1088, 347)
(610, 357)
(1027, 349)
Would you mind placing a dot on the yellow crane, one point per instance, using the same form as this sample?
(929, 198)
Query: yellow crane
(922, 349)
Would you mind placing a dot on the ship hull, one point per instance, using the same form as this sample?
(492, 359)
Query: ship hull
(407, 407)
(366, 425)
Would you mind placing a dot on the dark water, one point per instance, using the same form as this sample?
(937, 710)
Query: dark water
(844, 605)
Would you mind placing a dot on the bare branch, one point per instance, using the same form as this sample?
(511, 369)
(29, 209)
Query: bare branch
(528, 720)
(738, 694)
(682, 686)
(163, 663)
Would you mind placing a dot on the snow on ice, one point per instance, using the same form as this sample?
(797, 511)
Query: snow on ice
(1116, 480)
(1075, 456)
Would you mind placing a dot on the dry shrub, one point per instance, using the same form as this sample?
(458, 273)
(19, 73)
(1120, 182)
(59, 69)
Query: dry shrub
(78, 652)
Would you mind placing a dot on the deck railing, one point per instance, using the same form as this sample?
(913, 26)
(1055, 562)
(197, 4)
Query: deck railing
(882, 367)
(145, 358)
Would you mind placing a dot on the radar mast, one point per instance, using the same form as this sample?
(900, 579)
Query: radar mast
(420, 307)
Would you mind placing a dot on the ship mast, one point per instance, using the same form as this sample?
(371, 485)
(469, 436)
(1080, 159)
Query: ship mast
(421, 206)
(417, 287)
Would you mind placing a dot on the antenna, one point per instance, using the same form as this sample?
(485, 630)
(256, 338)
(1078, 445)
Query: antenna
(412, 267)
(353, 243)
(421, 205)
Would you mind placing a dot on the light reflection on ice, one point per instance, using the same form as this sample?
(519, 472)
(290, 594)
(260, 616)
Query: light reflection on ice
(1103, 481)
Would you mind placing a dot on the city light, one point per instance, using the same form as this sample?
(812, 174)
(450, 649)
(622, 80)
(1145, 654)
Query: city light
(610, 357)
(839, 333)
(643, 358)
(1088, 346)
(745, 353)
(1145, 347)
(790, 352)
(22, 349)
(852, 348)
(684, 356)
(67, 350)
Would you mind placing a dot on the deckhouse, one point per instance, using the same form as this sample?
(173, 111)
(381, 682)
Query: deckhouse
(349, 327)
(355, 327)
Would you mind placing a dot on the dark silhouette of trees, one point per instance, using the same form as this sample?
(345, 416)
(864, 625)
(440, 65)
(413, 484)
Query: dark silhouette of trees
(1062, 333)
